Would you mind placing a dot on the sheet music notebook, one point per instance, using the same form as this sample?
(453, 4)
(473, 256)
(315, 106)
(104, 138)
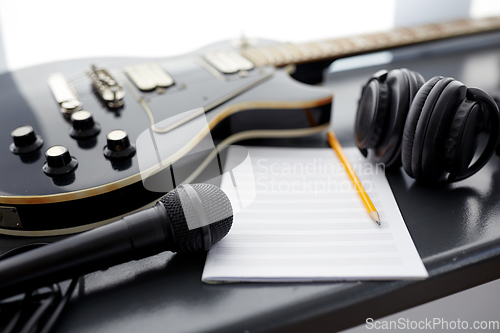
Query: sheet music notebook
(307, 222)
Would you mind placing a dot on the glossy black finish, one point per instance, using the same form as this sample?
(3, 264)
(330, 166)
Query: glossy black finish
(26, 99)
(62, 215)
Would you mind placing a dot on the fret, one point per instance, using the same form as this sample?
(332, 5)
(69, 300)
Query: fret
(393, 38)
(379, 41)
(363, 42)
(289, 54)
(293, 51)
(402, 36)
(286, 57)
(281, 55)
(435, 31)
(420, 33)
(316, 51)
(456, 28)
(339, 47)
(278, 56)
(271, 59)
(485, 24)
(330, 48)
(305, 51)
(343, 46)
(348, 47)
(255, 56)
(325, 48)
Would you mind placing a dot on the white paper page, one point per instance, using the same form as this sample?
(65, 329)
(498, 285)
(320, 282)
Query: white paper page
(307, 222)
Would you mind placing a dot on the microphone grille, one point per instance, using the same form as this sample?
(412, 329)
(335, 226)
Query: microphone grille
(217, 208)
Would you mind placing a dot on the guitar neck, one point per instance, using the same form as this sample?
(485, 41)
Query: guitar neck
(284, 54)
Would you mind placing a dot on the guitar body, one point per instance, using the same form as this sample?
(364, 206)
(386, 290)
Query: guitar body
(257, 103)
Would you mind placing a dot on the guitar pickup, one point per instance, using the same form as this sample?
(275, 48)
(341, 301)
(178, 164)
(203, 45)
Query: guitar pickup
(108, 88)
(149, 76)
(64, 93)
(228, 62)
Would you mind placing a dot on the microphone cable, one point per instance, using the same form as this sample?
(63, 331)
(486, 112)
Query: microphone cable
(38, 310)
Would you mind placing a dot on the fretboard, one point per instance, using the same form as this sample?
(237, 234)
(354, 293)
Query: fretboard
(288, 53)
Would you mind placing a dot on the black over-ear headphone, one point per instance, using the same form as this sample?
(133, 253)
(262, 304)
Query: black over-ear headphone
(432, 128)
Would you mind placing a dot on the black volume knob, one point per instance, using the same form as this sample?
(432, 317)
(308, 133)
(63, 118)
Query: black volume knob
(25, 140)
(83, 125)
(118, 145)
(59, 161)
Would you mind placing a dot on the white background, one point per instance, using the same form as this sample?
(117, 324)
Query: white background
(34, 32)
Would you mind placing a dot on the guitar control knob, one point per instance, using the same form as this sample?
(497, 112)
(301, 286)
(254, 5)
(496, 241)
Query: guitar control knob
(84, 126)
(25, 140)
(59, 161)
(118, 145)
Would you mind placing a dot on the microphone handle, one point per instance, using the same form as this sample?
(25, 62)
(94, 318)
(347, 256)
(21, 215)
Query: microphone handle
(133, 237)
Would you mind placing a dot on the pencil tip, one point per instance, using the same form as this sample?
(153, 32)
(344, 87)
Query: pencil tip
(375, 217)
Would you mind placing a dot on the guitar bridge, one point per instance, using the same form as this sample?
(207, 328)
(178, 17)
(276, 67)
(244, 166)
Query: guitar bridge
(107, 87)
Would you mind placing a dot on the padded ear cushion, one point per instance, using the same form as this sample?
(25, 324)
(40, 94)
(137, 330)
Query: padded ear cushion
(416, 81)
(412, 84)
(461, 142)
(388, 149)
(372, 111)
(420, 79)
(431, 146)
(411, 123)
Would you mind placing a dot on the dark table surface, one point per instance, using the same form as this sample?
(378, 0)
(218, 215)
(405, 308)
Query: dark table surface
(456, 230)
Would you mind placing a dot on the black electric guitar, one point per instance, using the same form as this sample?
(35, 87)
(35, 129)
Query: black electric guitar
(69, 148)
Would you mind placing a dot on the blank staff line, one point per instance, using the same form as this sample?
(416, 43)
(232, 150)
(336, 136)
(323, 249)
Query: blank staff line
(260, 238)
(288, 250)
(334, 263)
(306, 226)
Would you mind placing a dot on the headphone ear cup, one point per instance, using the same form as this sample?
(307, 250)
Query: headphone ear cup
(411, 123)
(372, 111)
(381, 129)
(431, 124)
(432, 149)
(407, 83)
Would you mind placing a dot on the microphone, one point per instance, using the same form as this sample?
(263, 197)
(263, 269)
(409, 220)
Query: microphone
(160, 228)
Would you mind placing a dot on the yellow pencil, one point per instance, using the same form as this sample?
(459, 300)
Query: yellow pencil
(334, 143)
